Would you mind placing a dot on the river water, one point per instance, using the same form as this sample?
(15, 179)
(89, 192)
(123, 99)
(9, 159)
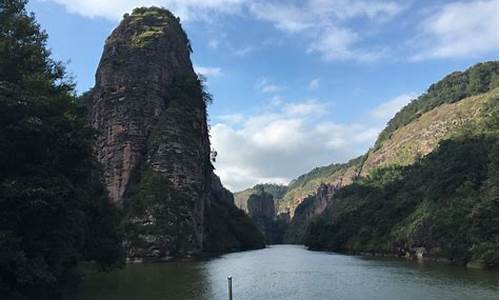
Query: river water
(290, 272)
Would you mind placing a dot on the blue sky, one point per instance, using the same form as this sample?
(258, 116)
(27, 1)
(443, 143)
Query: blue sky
(296, 84)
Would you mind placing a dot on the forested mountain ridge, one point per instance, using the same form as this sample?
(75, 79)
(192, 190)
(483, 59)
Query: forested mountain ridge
(475, 81)
(456, 86)
(428, 190)
(444, 206)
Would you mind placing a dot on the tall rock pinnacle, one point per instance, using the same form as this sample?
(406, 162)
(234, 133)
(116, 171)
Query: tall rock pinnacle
(142, 61)
(150, 109)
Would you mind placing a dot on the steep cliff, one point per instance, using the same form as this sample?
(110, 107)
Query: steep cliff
(309, 208)
(150, 109)
(260, 204)
(276, 190)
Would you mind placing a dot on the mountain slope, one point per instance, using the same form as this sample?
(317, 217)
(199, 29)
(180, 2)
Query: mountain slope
(444, 206)
(456, 86)
(430, 190)
(421, 136)
(403, 146)
(307, 184)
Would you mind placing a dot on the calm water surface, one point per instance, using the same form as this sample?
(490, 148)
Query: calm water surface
(290, 272)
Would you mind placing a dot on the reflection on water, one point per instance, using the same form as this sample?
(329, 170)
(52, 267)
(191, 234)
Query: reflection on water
(290, 272)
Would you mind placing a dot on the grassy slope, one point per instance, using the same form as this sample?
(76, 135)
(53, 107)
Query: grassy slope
(421, 136)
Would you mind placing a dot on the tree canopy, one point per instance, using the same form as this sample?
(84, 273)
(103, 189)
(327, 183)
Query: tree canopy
(54, 209)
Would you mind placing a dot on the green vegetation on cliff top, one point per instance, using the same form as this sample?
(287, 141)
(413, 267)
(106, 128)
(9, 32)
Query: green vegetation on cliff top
(454, 87)
(149, 23)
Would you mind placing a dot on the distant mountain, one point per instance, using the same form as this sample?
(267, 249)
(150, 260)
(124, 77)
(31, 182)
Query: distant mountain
(259, 202)
(276, 190)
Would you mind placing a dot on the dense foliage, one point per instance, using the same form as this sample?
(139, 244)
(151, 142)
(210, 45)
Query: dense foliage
(157, 209)
(230, 229)
(149, 22)
(54, 209)
(454, 87)
(319, 172)
(447, 203)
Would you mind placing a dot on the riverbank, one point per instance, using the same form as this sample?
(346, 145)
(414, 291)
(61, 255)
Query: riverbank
(418, 255)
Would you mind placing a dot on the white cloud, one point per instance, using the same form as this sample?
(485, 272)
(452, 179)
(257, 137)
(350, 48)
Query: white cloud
(323, 22)
(339, 44)
(208, 71)
(388, 109)
(232, 119)
(316, 13)
(306, 108)
(266, 87)
(316, 20)
(287, 17)
(185, 9)
(282, 142)
(314, 84)
(335, 43)
(459, 29)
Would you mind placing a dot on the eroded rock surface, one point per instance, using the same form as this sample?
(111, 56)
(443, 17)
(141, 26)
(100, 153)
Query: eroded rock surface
(150, 109)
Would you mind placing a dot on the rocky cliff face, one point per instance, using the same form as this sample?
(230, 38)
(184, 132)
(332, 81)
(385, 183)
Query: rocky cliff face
(261, 205)
(143, 62)
(314, 204)
(150, 109)
(276, 190)
(263, 213)
(259, 202)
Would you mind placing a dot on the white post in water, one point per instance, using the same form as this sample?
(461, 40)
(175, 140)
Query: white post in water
(230, 287)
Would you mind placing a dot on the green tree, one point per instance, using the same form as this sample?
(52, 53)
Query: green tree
(54, 209)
